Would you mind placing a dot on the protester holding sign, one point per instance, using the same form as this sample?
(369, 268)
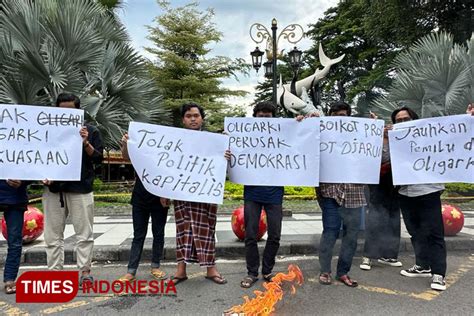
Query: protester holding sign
(421, 209)
(13, 202)
(339, 202)
(269, 198)
(74, 198)
(144, 205)
(382, 229)
(195, 222)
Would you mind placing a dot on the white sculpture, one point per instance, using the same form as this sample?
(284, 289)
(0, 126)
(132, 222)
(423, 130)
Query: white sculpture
(295, 102)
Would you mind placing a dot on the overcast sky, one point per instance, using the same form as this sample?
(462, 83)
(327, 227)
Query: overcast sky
(233, 18)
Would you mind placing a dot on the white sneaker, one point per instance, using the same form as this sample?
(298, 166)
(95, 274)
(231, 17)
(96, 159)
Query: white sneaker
(366, 264)
(390, 262)
(437, 282)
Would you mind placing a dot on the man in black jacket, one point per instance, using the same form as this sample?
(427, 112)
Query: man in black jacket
(74, 198)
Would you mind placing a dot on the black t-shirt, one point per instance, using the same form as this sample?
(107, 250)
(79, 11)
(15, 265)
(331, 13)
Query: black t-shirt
(140, 196)
(264, 194)
(87, 166)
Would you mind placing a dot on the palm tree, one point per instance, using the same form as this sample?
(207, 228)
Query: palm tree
(434, 77)
(51, 46)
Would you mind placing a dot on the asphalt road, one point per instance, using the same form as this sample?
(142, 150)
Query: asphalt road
(381, 290)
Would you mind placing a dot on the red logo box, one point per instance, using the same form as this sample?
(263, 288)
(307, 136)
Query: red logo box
(47, 286)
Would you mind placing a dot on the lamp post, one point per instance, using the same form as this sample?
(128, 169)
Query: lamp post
(292, 33)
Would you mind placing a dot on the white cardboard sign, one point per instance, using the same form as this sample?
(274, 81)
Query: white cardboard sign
(38, 143)
(177, 163)
(433, 150)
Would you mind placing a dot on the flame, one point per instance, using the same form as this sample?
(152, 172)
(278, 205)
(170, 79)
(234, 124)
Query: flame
(264, 302)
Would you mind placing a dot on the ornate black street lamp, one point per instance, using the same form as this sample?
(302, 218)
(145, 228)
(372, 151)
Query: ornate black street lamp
(257, 58)
(295, 59)
(292, 33)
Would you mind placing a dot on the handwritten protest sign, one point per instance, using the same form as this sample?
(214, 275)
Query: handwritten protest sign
(434, 150)
(351, 150)
(271, 151)
(39, 143)
(177, 163)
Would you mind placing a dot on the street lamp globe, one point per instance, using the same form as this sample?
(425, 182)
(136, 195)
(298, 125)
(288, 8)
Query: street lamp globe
(295, 58)
(268, 66)
(257, 58)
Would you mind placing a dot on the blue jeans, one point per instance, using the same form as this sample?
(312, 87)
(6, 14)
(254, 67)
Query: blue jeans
(14, 220)
(333, 216)
(141, 216)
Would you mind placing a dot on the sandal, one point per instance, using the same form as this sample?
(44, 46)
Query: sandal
(347, 281)
(248, 281)
(86, 279)
(158, 274)
(325, 279)
(10, 287)
(177, 280)
(269, 277)
(218, 279)
(124, 279)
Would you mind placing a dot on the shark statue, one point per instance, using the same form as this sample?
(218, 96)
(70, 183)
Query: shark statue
(290, 95)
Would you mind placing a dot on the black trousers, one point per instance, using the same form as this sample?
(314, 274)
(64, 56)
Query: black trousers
(382, 224)
(252, 212)
(424, 222)
(141, 214)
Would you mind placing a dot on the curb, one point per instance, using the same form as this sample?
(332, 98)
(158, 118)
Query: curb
(224, 250)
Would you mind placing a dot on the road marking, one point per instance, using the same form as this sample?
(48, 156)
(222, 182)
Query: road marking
(76, 304)
(427, 295)
(10, 310)
(64, 307)
(381, 290)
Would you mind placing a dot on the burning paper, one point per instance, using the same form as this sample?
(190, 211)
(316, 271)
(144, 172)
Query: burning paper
(264, 302)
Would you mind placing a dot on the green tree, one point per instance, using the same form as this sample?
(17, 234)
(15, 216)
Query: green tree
(183, 69)
(51, 46)
(435, 77)
(370, 33)
(452, 16)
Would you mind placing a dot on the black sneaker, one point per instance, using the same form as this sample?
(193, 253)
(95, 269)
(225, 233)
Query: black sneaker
(416, 272)
(390, 262)
(437, 282)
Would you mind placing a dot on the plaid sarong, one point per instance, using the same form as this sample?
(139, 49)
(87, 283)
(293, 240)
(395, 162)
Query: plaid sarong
(195, 232)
